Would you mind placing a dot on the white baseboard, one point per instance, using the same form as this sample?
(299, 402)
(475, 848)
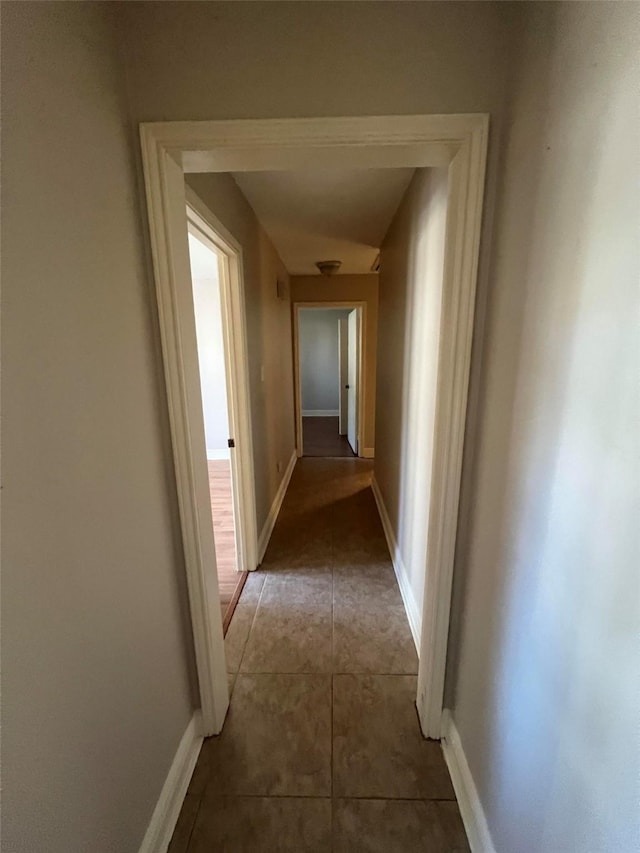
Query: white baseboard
(410, 605)
(219, 454)
(269, 524)
(368, 452)
(473, 816)
(320, 413)
(165, 815)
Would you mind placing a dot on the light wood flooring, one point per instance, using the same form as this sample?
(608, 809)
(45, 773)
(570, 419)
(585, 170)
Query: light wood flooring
(320, 437)
(230, 580)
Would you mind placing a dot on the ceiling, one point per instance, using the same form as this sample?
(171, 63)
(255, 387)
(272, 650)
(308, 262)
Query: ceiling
(326, 214)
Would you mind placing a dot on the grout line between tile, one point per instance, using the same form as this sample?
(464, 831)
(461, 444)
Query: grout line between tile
(195, 819)
(255, 614)
(271, 573)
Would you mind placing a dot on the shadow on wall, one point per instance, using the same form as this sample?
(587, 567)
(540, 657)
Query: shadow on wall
(506, 308)
(420, 372)
(411, 273)
(542, 657)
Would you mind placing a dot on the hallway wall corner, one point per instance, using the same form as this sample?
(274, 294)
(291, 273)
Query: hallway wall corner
(414, 613)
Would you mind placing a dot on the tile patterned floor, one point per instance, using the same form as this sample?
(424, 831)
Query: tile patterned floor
(321, 750)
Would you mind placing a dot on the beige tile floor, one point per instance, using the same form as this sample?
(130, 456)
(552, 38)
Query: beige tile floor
(321, 749)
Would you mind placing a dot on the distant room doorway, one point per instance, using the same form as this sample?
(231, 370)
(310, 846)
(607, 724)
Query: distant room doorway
(329, 373)
(213, 368)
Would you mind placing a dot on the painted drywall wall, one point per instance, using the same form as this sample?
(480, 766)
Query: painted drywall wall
(544, 679)
(211, 359)
(345, 288)
(269, 336)
(410, 294)
(319, 360)
(95, 670)
(452, 58)
(455, 59)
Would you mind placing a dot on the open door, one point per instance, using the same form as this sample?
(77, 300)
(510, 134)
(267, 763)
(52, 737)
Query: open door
(353, 330)
(343, 368)
(217, 369)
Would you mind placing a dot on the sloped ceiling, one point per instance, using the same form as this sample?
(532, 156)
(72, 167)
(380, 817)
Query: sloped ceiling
(328, 214)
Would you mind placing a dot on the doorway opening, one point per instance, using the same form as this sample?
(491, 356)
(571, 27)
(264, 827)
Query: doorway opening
(213, 364)
(328, 355)
(171, 149)
(328, 368)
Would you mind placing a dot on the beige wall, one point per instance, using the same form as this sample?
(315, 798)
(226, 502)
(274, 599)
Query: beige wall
(268, 336)
(225, 60)
(310, 59)
(342, 288)
(544, 670)
(93, 723)
(95, 647)
(411, 266)
(542, 667)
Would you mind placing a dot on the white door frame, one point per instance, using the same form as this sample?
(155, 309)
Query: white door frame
(236, 362)
(458, 142)
(353, 374)
(360, 306)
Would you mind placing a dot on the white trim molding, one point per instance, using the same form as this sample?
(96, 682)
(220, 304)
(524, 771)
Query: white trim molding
(165, 815)
(234, 331)
(460, 269)
(473, 816)
(320, 413)
(168, 228)
(456, 142)
(270, 522)
(408, 599)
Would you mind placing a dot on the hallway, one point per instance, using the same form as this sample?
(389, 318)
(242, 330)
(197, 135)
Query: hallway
(321, 749)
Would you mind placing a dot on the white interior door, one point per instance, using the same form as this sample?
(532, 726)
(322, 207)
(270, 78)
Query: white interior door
(343, 356)
(352, 383)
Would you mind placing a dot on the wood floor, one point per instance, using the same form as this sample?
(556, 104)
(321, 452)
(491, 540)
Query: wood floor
(320, 437)
(230, 580)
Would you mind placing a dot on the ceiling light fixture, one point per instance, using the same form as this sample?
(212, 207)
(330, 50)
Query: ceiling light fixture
(328, 267)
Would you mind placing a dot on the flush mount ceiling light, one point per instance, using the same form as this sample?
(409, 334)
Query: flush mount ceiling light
(328, 267)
